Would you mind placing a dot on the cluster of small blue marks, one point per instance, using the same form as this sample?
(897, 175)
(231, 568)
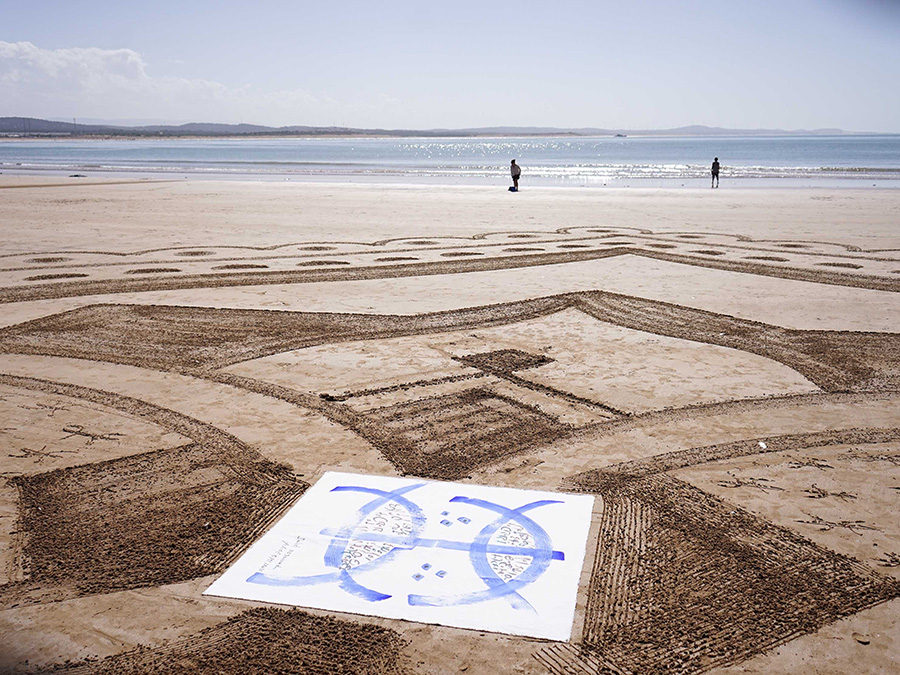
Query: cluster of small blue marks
(427, 566)
(445, 513)
(446, 523)
(464, 520)
(439, 573)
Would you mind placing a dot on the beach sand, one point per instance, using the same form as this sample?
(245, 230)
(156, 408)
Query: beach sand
(179, 360)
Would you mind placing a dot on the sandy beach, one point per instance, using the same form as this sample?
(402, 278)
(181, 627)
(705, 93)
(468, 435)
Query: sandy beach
(181, 360)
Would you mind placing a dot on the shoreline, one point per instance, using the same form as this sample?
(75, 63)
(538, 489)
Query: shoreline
(548, 159)
(847, 182)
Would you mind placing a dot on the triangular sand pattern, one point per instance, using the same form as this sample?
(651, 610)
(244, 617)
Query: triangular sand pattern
(265, 640)
(146, 519)
(683, 582)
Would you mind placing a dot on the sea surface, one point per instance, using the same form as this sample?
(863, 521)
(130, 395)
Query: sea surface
(788, 161)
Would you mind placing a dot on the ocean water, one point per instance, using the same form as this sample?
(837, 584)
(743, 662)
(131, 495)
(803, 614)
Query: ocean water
(789, 161)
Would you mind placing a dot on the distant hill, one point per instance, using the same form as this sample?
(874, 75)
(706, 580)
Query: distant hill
(31, 126)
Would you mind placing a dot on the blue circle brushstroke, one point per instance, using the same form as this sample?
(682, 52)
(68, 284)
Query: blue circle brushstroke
(338, 546)
(541, 554)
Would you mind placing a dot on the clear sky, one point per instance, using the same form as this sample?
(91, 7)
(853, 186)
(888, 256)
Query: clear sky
(413, 64)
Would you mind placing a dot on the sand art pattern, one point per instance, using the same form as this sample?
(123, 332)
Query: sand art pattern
(744, 471)
(807, 263)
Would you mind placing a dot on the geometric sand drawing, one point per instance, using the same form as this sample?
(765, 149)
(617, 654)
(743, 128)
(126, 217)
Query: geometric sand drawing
(470, 556)
(730, 398)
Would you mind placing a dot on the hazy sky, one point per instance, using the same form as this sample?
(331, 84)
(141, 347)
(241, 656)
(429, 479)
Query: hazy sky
(414, 64)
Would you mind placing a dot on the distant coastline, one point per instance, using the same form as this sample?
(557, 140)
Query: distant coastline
(32, 127)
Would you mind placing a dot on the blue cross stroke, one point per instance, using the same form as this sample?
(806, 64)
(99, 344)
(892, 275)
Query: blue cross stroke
(541, 553)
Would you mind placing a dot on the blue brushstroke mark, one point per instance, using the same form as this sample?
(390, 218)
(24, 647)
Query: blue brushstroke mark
(340, 576)
(424, 542)
(262, 578)
(350, 585)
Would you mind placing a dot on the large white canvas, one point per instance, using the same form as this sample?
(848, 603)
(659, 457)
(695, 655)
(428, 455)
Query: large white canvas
(470, 556)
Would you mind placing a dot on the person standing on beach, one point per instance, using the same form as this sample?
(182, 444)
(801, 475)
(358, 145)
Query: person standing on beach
(715, 173)
(515, 170)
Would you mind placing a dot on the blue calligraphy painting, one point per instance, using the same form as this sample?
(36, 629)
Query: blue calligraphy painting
(507, 554)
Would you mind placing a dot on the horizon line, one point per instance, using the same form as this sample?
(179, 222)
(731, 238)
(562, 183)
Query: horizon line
(23, 124)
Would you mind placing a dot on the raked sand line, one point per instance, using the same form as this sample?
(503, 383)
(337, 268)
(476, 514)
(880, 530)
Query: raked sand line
(75, 288)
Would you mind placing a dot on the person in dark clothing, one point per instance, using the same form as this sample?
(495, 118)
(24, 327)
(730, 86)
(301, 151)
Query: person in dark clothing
(515, 170)
(715, 173)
